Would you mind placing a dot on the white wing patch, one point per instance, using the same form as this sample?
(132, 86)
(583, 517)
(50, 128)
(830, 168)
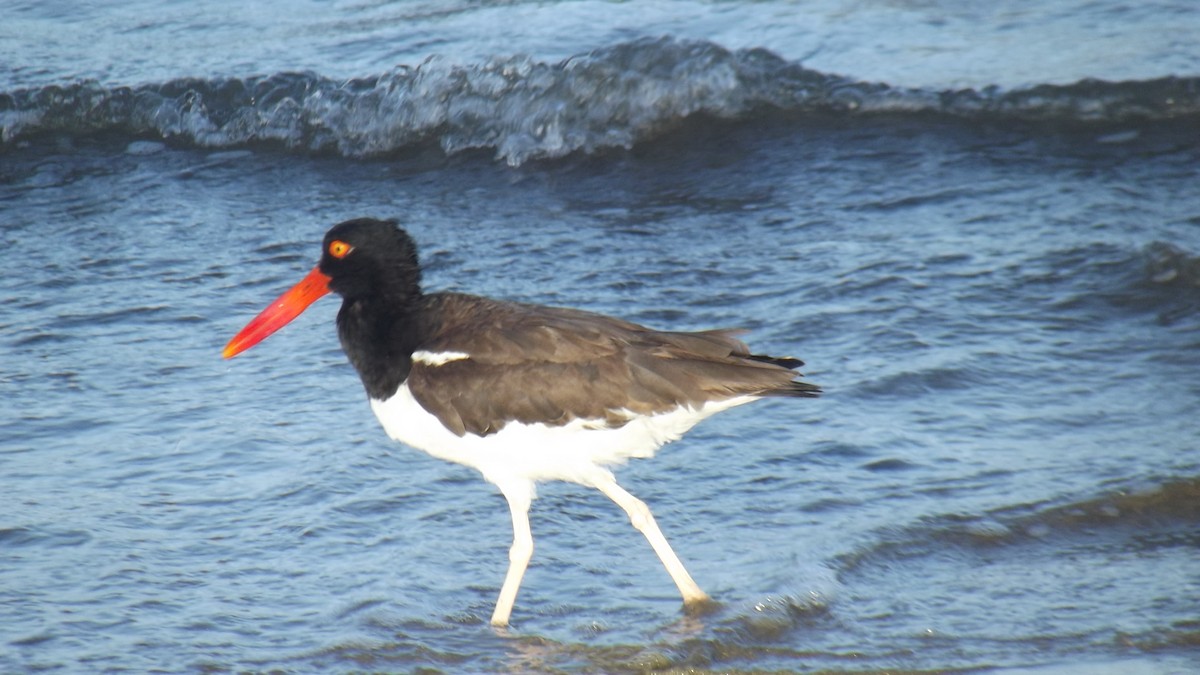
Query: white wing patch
(438, 358)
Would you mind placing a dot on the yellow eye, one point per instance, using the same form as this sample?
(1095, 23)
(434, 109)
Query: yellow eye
(339, 249)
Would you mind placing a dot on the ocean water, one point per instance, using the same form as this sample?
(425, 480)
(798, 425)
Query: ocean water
(978, 223)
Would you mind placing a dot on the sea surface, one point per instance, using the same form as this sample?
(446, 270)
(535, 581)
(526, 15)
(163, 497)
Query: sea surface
(978, 223)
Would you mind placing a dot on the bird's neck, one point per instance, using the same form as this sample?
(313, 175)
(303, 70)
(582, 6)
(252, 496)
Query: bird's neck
(379, 336)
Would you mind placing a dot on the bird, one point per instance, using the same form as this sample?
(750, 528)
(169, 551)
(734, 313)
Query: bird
(522, 393)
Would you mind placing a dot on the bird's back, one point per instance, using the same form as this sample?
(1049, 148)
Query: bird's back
(533, 364)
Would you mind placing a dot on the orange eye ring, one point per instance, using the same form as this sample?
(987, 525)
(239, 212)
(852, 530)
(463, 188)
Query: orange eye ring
(339, 249)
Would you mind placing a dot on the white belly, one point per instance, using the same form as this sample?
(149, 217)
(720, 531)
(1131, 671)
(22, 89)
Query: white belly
(527, 453)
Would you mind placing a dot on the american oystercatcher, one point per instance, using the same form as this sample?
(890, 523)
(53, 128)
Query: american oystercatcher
(523, 393)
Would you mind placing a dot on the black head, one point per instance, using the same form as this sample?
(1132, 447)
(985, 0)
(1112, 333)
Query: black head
(366, 257)
(373, 265)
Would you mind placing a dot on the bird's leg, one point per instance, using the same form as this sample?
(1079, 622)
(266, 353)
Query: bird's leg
(518, 555)
(643, 520)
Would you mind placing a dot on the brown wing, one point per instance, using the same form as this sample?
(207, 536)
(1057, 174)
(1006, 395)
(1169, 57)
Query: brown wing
(552, 365)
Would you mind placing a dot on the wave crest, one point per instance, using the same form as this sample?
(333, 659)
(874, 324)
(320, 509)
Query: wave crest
(524, 109)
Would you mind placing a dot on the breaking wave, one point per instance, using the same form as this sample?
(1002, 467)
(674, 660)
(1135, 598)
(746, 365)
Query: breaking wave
(522, 109)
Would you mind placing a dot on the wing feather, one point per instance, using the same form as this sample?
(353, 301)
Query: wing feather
(554, 365)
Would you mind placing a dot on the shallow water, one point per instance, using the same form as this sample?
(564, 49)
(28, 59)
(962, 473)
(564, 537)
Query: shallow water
(1003, 311)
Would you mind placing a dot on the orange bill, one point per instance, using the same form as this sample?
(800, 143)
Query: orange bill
(285, 308)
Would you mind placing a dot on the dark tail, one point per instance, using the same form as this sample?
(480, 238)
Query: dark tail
(798, 389)
(784, 361)
(795, 388)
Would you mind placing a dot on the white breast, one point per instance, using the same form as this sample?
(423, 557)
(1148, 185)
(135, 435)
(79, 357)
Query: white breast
(537, 452)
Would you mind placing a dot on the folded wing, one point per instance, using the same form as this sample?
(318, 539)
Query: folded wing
(553, 366)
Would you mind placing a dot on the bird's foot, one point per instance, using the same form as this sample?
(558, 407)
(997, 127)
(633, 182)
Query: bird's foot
(700, 606)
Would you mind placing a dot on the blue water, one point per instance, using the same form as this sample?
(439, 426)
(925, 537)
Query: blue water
(990, 262)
